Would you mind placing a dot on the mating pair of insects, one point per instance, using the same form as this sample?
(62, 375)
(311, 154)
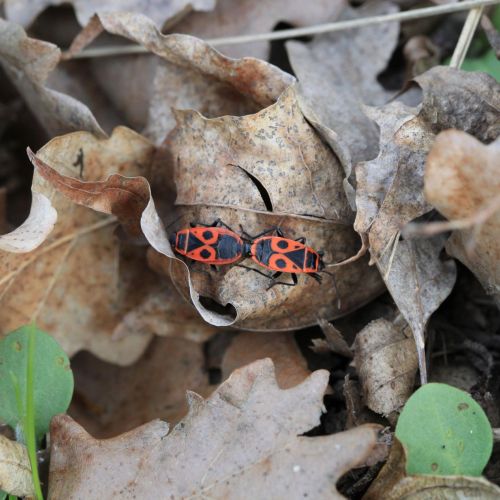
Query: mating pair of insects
(217, 244)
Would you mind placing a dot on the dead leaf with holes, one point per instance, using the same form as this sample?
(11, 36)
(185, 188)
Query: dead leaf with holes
(25, 11)
(390, 187)
(392, 483)
(280, 347)
(110, 399)
(74, 276)
(243, 441)
(15, 469)
(462, 181)
(386, 362)
(332, 89)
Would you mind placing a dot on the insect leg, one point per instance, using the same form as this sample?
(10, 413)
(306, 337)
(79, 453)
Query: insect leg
(254, 270)
(274, 283)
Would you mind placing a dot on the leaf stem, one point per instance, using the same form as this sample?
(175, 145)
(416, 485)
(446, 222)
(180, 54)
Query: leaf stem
(304, 31)
(466, 36)
(29, 427)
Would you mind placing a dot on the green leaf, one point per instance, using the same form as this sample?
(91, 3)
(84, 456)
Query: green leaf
(52, 376)
(3, 495)
(444, 432)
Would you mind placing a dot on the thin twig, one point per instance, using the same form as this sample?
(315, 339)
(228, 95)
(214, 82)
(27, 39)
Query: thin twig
(466, 35)
(305, 31)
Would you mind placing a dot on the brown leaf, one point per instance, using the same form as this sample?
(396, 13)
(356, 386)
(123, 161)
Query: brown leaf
(337, 73)
(25, 11)
(81, 282)
(191, 74)
(386, 361)
(290, 365)
(15, 469)
(111, 399)
(249, 17)
(28, 63)
(241, 442)
(392, 483)
(461, 181)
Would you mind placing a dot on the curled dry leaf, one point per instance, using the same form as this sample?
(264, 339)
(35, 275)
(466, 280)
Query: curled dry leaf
(241, 442)
(209, 188)
(29, 63)
(82, 264)
(230, 18)
(392, 483)
(191, 74)
(25, 11)
(290, 365)
(15, 469)
(462, 181)
(332, 88)
(111, 399)
(386, 361)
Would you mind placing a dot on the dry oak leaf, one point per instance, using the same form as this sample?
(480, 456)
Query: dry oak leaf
(386, 362)
(230, 18)
(15, 469)
(462, 180)
(83, 280)
(280, 347)
(190, 73)
(29, 63)
(25, 11)
(392, 483)
(337, 74)
(110, 399)
(242, 442)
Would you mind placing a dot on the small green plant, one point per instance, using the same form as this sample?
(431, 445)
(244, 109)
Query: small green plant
(444, 432)
(36, 383)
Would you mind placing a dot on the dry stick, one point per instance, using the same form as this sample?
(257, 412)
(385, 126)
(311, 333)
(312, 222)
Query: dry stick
(466, 35)
(305, 31)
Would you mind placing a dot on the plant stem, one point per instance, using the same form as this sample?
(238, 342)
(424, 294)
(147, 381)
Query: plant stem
(29, 427)
(466, 36)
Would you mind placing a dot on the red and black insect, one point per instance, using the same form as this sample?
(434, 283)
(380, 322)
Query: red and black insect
(284, 255)
(216, 244)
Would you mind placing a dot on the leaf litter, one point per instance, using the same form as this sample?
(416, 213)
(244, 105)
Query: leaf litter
(331, 156)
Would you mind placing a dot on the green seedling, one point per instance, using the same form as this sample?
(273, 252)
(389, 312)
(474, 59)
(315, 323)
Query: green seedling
(444, 432)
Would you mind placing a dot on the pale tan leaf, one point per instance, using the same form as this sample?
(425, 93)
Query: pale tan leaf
(335, 339)
(242, 442)
(81, 282)
(386, 362)
(290, 365)
(15, 469)
(461, 180)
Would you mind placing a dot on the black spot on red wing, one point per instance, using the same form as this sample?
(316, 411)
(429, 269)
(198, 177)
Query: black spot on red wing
(205, 253)
(297, 257)
(280, 263)
(283, 244)
(207, 234)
